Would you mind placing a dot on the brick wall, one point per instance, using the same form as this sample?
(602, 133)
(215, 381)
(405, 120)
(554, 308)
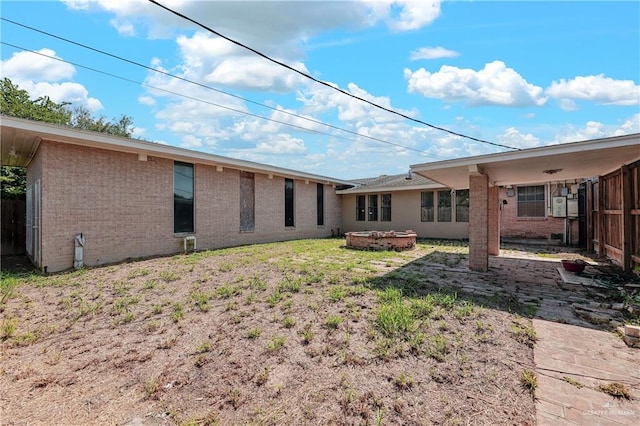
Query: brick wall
(478, 225)
(512, 226)
(124, 207)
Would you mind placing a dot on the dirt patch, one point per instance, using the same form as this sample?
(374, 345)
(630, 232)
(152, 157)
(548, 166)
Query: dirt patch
(302, 332)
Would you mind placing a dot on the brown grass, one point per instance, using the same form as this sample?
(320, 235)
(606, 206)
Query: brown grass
(302, 332)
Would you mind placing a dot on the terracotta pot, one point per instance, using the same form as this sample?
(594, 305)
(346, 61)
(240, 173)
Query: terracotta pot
(575, 266)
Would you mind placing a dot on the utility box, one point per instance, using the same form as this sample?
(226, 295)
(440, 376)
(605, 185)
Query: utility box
(572, 208)
(559, 207)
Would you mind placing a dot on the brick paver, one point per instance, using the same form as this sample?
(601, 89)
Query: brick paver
(571, 363)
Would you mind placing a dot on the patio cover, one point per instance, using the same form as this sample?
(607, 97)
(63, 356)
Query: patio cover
(567, 161)
(485, 173)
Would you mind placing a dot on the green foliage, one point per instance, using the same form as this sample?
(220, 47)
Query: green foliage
(81, 119)
(16, 102)
(14, 182)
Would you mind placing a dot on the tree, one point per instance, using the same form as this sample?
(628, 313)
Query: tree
(81, 119)
(15, 102)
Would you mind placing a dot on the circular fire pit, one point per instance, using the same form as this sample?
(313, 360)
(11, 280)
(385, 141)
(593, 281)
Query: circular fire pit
(381, 240)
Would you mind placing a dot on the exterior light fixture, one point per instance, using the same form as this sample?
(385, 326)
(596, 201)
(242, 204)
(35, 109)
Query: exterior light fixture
(551, 171)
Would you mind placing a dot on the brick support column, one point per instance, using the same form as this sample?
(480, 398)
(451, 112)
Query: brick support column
(478, 222)
(493, 217)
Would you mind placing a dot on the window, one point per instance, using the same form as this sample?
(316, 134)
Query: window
(182, 197)
(247, 202)
(320, 203)
(444, 206)
(462, 205)
(426, 206)
(360, 212)
(386, 208)
(373, 208)
(288, 202)
(531, 201)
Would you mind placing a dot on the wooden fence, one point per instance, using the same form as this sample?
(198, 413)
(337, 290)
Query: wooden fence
(13, 227)
(616, 218)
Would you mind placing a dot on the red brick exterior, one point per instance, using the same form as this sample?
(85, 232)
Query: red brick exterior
(478, 217)
(512, 226)
(493, 214)
(124, 206)
(377, 240)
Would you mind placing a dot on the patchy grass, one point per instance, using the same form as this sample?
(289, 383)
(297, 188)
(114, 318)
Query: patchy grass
(617, 390)
(529, 381)
(283, 333)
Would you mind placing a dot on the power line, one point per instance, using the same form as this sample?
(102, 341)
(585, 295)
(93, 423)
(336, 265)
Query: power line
(199, 100)
(310, 77)
(312, 120)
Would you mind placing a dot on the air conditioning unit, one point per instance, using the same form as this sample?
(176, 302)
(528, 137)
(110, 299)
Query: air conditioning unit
(559, 207)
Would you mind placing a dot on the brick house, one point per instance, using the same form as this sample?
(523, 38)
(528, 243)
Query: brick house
(120, 198)
(131, 198)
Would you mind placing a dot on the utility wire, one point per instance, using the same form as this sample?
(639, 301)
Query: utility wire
(310, 77)
(197, 99)
(312, 120)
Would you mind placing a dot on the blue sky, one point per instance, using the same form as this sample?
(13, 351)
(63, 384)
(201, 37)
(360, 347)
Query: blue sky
(521, 74)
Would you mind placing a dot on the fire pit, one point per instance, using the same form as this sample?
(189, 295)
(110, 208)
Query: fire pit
(381, 240)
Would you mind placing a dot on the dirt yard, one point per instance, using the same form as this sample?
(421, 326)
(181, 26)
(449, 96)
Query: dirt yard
(303, 332)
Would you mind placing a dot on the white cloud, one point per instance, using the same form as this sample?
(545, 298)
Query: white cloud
(74, 93)
(595, 130)
(495, 84)
(281, 144)
(595, 88)
(512, 137)
(190, 141)
(252, 73)
(138, 132)
(147, 100)
(318, 99)
(32, 66)
(274, 26)
(124, 28)
(631, 125)
(42, 76)
(432, 53)
(404, 15)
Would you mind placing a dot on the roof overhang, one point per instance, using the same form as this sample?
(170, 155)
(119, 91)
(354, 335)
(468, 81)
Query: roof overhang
(567, 161)
(19, 141)
(365, 190)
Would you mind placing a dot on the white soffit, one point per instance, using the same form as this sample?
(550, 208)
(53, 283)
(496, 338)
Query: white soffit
(550, 163)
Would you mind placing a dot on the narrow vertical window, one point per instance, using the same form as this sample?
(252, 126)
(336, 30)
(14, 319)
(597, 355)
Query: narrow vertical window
(247, 202)
(386, 208)
(320, 203)
(426, 206)
(288, 203)
(444, 206)
(182, 197)
(462, 205)
(373, 208)
(360, 212)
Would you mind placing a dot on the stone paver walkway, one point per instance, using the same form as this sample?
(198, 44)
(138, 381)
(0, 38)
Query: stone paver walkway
(571, 363)
(573, 357)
